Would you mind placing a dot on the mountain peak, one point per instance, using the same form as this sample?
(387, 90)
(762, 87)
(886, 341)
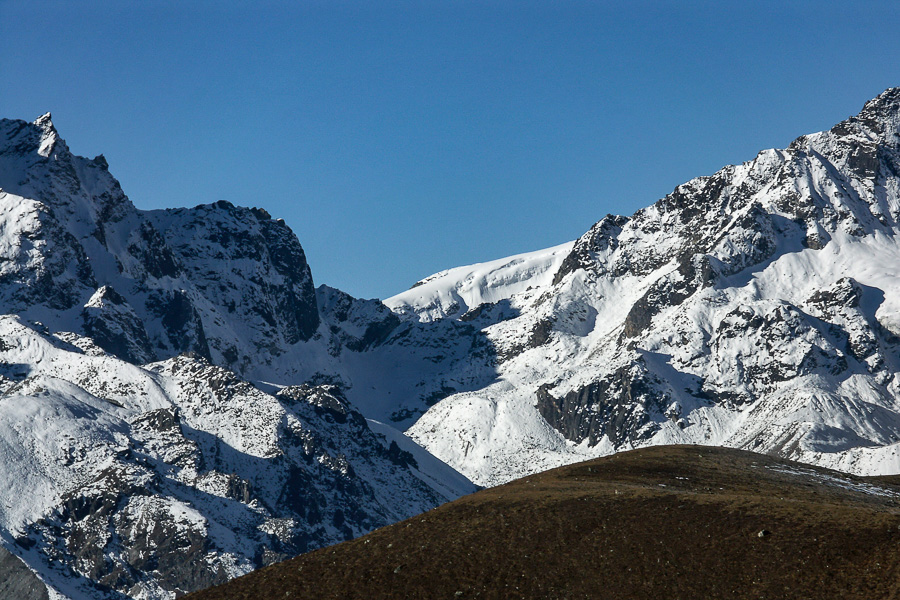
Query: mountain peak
(49, 140)
(886, 101)
(879, 116)
(44, 119)
(885, 106)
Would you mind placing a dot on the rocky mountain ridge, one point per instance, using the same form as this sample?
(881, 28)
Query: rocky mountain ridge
(228, 283)
(756, 308)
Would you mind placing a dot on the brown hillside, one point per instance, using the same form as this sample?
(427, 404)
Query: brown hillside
(671, 522)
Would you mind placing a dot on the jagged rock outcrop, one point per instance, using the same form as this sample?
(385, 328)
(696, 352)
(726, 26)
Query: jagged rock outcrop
(18, 581)
(113, 325)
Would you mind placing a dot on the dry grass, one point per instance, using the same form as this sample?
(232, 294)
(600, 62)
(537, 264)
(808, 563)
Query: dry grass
(667, 522)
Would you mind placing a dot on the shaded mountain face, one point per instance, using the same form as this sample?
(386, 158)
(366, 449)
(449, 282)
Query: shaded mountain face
(758, 308)
(664, 522)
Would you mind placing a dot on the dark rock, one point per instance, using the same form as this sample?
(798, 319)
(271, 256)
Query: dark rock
(619, 406)
(239, 489)
(693, 273)
(295, 299)
(540, 334)
(600, 238)
(154, 255)
(162, 419)
(400, 457)
(376, 333)
(846, 292)
(114, 326)
(18, 581)
(768, 331)
(181, 321)
(327, 400)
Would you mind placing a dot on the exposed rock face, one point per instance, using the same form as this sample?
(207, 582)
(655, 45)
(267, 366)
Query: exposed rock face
(114, 326)
(590, 248)
(17, 580)
(356, 324)
(615, 408)
(269, 285)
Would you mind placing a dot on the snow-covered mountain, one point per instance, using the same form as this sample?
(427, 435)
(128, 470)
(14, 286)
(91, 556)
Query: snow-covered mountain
(136, 458)
(181, 404)
(757, 308)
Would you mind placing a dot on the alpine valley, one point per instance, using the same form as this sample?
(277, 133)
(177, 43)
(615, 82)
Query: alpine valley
(180, 405)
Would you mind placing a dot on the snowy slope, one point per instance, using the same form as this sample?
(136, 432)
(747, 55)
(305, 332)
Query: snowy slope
(452, 293)
(756, 308)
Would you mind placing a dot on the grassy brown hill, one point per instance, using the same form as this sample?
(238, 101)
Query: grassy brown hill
(672, 522)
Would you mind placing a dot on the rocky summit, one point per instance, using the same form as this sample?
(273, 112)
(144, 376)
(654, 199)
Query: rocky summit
(180, 404)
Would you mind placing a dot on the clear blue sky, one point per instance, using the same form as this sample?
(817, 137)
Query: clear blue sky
(402, 138)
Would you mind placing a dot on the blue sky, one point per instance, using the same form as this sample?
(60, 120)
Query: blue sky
(402, 138)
